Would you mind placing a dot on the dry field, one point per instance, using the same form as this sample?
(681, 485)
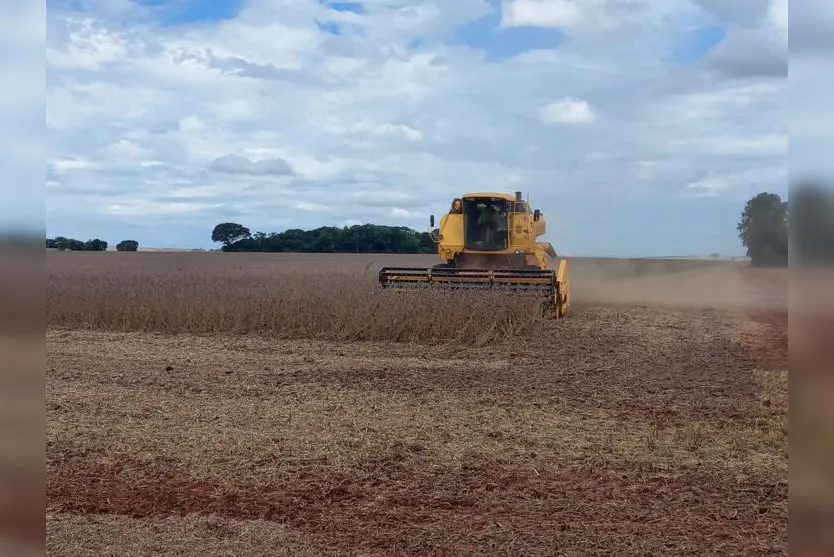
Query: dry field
(265, 404)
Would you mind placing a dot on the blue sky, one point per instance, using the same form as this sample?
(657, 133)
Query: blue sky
(639, 128)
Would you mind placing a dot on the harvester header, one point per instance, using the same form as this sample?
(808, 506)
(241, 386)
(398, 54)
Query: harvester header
(489, 240)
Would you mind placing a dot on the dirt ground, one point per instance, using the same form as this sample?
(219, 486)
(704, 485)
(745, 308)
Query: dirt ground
(652, 421)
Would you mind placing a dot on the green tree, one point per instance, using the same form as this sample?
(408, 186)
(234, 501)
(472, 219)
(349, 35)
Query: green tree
(365, 238)
(62, 243)
(229, 233)
(95, 245)
(75, 245)
(763, 230)
(127, 245)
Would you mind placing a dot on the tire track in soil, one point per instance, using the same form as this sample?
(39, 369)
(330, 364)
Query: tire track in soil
(660, 364)
(400, 505)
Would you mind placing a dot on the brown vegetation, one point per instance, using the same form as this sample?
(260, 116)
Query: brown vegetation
(268, 295)
(647, 423)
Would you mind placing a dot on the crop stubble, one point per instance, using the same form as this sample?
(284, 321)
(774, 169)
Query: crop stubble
(647, 423)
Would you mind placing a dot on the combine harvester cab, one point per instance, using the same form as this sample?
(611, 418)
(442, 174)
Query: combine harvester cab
(488, 241)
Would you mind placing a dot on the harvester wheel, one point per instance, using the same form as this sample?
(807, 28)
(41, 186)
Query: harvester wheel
(561, 303)
(561, 298)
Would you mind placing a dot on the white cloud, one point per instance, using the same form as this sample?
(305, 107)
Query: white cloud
(390, 120)
(541, 13)
(310, 207)
(778, 13)
(144, 207)
(125, 149)
(89, 47)
(567, 111)
(742, 183)
(191, 124)
(595, 17)
(63, 166)
(384, 198)
(235, 164)
(387, 130)
(402, 213)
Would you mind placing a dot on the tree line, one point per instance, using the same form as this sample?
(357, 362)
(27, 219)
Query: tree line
(62, 243)
(763, 230)
(364, 238)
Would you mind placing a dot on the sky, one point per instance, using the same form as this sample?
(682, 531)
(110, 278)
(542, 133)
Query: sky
(638, 127)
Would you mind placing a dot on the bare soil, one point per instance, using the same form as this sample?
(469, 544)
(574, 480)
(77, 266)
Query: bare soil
(652, 421)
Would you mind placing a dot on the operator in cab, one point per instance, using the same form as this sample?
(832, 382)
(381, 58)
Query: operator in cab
(491, 220)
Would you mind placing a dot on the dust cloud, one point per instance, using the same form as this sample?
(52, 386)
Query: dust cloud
(703, 284)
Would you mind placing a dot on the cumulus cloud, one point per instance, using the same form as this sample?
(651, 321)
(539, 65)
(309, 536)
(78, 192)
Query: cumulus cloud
(747, 53)
(402, 110)
(234, 164)
(778, 13)
(386, 129)
(383, 198)
(400, 212)
(146, 207)
(747, 13)
(592, 17)
(63, 166)
(244, 68)
(567, 111)
(542, 13)
(812, 23)
(757, 38)
(718, 184)
(310, 207)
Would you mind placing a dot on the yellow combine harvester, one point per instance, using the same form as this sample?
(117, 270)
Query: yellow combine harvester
(488, 240)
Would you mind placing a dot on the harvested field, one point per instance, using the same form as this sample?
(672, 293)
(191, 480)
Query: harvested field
(216, 404)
